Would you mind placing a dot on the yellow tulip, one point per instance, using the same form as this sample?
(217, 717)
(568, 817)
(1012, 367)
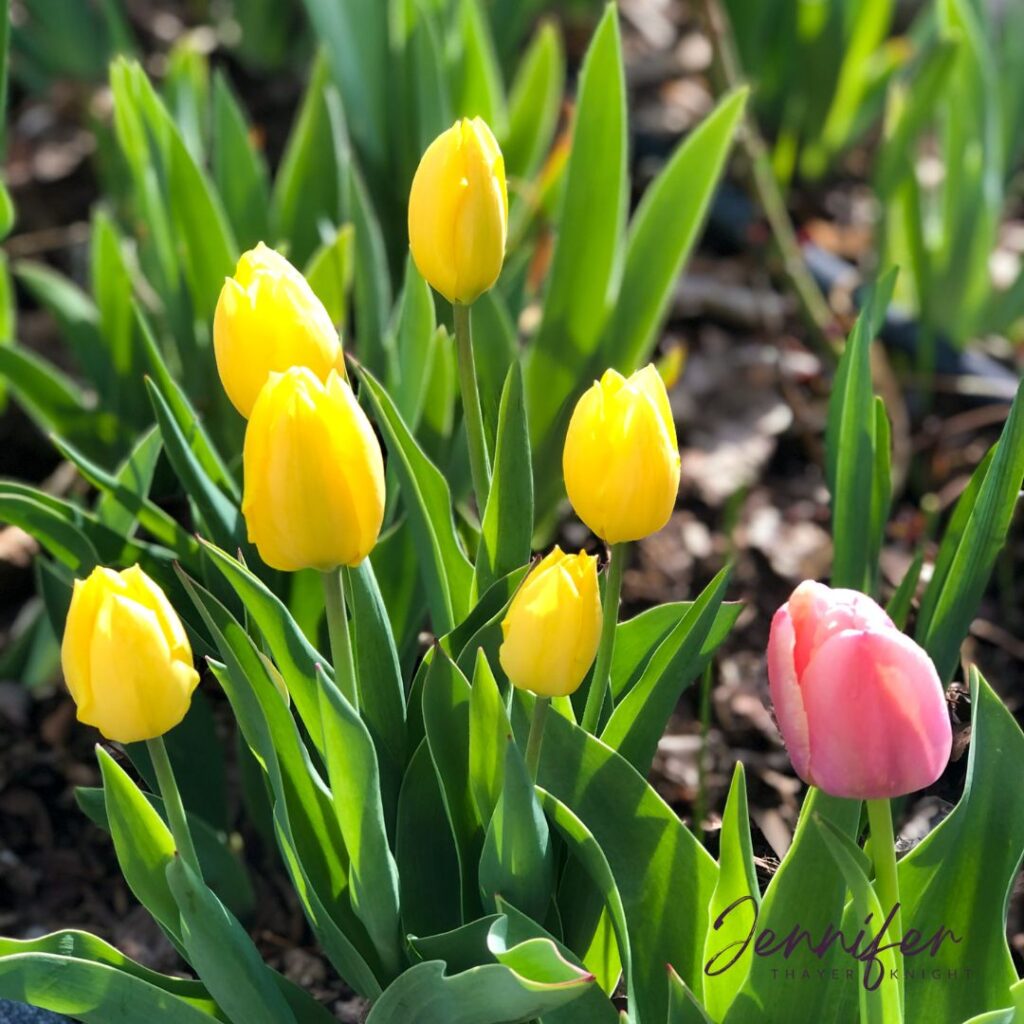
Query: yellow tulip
(268, 320)
(621, 459)
(126, 658)
(553, 625)
(314, 474)
(458, 212)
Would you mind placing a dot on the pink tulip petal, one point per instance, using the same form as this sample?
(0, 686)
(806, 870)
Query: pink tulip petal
(785, 690)
(876, 715)
(819, 612)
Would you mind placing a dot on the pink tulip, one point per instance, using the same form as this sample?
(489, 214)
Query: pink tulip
(859, 704)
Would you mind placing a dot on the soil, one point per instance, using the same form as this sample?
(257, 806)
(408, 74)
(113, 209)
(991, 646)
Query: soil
(750, 407)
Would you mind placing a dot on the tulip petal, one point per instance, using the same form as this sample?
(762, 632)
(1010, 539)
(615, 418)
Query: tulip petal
(819, 612)
(787, 699)
(876, 714)
(139, 692)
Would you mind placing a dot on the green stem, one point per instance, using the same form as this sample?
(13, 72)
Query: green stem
(172, 803)
(599, 684)
(341, 641)
(479, 460)
(536, 737)
(883, 853)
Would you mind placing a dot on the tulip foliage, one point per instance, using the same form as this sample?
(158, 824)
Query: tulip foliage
(466, 822)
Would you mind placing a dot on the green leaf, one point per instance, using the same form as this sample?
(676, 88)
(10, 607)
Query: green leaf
(808, 891)
(210, 250)
(507, 526)
(52, 527)
(973, 540)
(355, 791)
(639, 720)
(125, 498)
(77, 317)
(662, 233)
(881, 488)
(446, 720)
(737, 879)
(222, 868)
(95, 993)
(534, 102)
(354, 35)
(883, 1004)
(588, 854)
(517, 860)
(586, 264)
(683, 1007)
(329, 272)
(532, 980)
(483, 623)
(869, 28)
(461, 948)
(415, 336)
(664, 875)
(428, 863)
(898, 608)
(133, 94)
(959, 877)
(223, 954)
(294, 655)
(307, 185)
(850, 441)
(381, 691)
(305, 824)
(53, 401)
(489, 729)
(423, 97)
(372, 279)
(638, 638)
(593, 1007)
(143, 843)
(222, 518)
(112, 285)
(447, 572)
(239, 171)
(481, 92)
(495, 350)
(8, 214)
(183, 412)
(64, 950)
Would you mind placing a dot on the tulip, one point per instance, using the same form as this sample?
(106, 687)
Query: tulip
(314, 474)
(552, 626)
(859, 704)
(268, 320)
(126, 658)
(458, 212)
(621, 460)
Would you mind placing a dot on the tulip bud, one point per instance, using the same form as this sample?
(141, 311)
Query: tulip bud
(125, 655)
(858, 703)
(458, 212)
(553, 625)
(314, 474)
(621, 460)
(267, 320)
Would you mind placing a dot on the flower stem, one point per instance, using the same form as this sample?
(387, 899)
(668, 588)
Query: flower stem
(479, 460)
(536, 737)
(341, 641)
(176, 819)
(599, 684)
(883, 853)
